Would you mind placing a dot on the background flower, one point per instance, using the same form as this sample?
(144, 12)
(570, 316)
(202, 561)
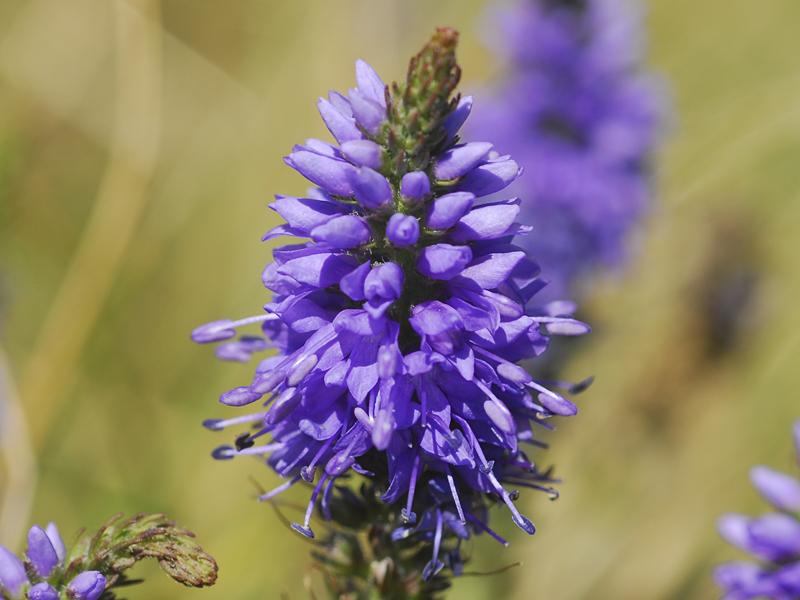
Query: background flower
(577, 111)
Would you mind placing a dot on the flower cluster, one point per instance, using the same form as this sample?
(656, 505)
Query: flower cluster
(97, 562)
(44, 565)
(582, 121)
(400, 324)
(773, 538)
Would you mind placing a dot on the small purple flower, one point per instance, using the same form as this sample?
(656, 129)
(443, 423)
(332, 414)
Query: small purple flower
(42, 591)
(773, 538)
(402, 230)
(88, 585)
(580, 117)
(415, 185)
(399, 326)
(41, 552)
(12, 571)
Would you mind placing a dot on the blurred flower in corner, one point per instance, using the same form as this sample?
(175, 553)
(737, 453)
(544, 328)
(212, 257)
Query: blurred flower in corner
(773, 539)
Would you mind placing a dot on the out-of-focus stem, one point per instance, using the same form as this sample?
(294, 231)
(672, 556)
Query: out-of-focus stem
(121, 200)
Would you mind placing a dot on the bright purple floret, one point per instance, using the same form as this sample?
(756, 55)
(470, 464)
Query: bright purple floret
(579, 117)
(774, 539)
(398, 327)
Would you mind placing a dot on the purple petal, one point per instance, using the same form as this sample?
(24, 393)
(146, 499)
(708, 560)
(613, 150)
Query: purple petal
(458, 117)
(402, 230)
(443, 261)
(319, 270)
(369, 114)
(56, 540)
(384, 281)
(364, 153)
(459, 160)
(491, 270)
(305, 213)
(41, 553)
(331, 174)
(12, 571)
(499, 414)
(352, 284)
(446, 210)
(780, 490)
(737, 575)
(778, 532)
(346, 231)
(558, 405)
(369, 83)
(486, 222)
(341, 126)
(734, 529)
(216, 331)
(490, 177)
(415, 185)
(42, 591)
(88, 585)
(370, 188)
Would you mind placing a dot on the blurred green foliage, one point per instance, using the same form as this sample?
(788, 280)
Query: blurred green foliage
(164, 123)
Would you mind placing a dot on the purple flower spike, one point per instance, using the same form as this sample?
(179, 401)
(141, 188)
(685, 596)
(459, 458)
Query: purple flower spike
(774, 538)
(415, 185)
(88, 585)
(402, 230)
(581, 116)
(41, 553)
(42, 591)
(370, 188)
(12, 571)
(401, 320)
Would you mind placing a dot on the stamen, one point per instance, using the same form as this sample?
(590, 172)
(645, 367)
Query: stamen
(264, 383)
(224, 329)
(492, 533)
(520, 521)
(307, 472)
(406, 514)
(239, 396)
(220, 424)
(303, 368)
(257, 450)
(496, 410)
(435, 565)
(281, 488)
(456, 499)
(283, 405)
(304, 529)
(326, 498)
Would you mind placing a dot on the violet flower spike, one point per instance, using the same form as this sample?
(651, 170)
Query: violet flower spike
(399, 325)
(577, 111)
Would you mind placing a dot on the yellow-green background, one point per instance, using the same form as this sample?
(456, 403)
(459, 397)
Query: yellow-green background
(140, 142)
